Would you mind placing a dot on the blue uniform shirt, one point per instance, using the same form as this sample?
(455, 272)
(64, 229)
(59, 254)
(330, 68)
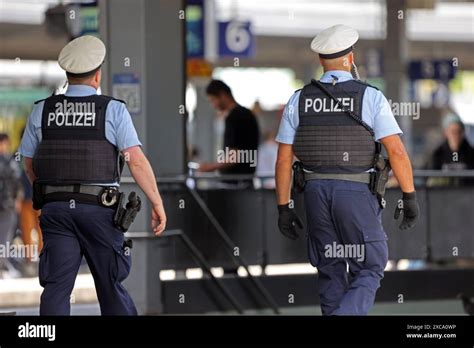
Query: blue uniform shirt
(376, 112)
(119, 129)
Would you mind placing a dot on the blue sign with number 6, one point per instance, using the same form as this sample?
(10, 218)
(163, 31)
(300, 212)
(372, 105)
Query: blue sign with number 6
(236, 39)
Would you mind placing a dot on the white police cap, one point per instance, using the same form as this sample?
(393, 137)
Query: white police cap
(335, 41)
(82, 55)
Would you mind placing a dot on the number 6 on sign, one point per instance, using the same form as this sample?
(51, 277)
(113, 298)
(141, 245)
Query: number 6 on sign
(235, 39)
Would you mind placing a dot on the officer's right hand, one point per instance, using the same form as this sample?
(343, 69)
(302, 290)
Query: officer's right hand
(410, 209)
(158, 219)
(287, 221)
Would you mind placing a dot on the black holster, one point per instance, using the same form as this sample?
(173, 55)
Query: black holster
(379, 178)
(298, 177)
(124, 216)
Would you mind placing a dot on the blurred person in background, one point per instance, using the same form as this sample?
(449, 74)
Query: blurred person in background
(30, 229)
(29, 223)
(241, 130)
(241, 135)
(455, 153)
(267, 156)
(10, 195)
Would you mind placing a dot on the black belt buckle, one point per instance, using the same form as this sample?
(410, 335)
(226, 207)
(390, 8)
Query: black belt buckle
(108, 197)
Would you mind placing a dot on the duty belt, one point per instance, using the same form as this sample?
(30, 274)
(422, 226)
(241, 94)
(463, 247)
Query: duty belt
(85, 189)
(106, 196)
(364, 178)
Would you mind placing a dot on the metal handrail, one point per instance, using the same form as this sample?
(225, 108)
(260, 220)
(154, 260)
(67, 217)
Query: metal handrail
(237, 259)
(179, 179)
(198, 257)
(431, 173)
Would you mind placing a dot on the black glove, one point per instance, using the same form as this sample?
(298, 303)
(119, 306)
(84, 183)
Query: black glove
(411, 210)
(287, 219)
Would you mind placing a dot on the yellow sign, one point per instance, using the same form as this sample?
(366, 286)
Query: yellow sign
(199, 68)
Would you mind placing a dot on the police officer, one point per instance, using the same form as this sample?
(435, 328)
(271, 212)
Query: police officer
(72, 147)
(335, 127)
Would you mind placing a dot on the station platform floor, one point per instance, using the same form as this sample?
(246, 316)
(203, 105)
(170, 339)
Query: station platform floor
(442, 307)
(22, 296)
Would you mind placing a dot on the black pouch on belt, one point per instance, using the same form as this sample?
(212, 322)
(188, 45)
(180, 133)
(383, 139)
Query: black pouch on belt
(298, 177)
(38, 197)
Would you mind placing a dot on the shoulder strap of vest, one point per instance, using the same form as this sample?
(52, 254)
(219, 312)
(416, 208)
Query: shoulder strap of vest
(120, 100)
(365, 84)
(103, 96)
(112, 98)
(52, 95)
(44, 99)
(304, 88)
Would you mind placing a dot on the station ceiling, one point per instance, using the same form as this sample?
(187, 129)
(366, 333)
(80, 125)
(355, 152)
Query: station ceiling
(278, 25)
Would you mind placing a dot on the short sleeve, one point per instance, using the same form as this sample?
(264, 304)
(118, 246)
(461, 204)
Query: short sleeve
(30, 139)
(384, 122)
(289, 121)
(120, 130)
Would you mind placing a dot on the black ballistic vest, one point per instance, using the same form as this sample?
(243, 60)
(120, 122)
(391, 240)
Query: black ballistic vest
(328, 140)
(74, 148)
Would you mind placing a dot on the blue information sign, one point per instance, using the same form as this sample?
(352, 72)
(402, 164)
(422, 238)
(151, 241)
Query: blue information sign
(236, 39)
(443, 70)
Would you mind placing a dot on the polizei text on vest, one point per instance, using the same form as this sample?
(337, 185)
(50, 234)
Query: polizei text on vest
(71, 114)
(327, 105)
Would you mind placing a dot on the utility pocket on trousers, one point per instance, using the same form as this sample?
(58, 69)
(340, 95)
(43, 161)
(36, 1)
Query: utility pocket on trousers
(374, 234)
(43, 266)
(312, 251)
(358, 216)
(376, 256)
(122, 264)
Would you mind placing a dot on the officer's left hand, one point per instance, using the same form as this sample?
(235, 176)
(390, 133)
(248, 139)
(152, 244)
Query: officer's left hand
(158, 219)
(287, 221)
(410, 209)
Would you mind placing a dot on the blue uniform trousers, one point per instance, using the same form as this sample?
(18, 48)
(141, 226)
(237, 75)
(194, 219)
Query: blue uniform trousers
(69, 233)
(344, 215)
